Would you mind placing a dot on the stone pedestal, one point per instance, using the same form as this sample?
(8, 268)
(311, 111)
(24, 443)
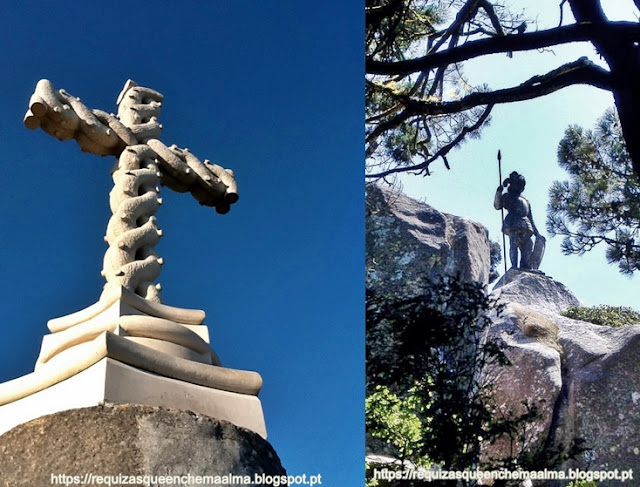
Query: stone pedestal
(126, 349)
(131, 440)
(110, 381)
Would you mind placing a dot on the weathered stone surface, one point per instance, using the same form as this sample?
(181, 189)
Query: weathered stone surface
(131, 440)
(408, 242)
(535, 290)
(602, 405)
(594, 397)
(535, 376)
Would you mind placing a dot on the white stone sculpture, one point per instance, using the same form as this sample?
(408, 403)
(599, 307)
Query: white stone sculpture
(115, 342)
(143, 164)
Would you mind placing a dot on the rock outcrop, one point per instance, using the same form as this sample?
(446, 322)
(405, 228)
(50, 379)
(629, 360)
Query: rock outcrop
(408, 242)
(601, 402)
(132, 440)
(535, 290)
(583, 378)
(534, 380)
(588, 390)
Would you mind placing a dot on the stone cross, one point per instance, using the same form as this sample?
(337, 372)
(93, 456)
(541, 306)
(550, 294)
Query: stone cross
(143, 164)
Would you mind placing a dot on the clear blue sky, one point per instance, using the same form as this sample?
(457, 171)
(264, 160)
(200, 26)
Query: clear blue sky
(528, 134)
(272, 90)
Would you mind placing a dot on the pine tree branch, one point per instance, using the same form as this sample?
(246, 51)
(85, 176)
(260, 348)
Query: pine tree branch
(442, 152)
(581, 71)
(376, 13)
(586, 31)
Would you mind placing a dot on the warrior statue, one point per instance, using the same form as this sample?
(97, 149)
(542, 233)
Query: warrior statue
(518, 224)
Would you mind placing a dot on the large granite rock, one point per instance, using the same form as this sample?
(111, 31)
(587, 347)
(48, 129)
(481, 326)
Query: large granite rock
(132, 440)
(583, 378)
(408, 242)
(535, 290)
(532, 382)
(601, 406)
(586, 379)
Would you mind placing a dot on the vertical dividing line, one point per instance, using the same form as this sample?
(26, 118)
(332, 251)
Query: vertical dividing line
(504, 244)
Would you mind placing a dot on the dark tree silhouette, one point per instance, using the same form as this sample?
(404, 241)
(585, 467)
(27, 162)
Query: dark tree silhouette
(419, 105)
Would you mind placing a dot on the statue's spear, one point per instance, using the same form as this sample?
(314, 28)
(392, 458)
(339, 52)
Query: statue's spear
(504, 244)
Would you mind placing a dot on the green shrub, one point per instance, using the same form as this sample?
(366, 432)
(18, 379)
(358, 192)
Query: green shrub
(426, 397)
(396, 420)
(614, 316)
(583, 483)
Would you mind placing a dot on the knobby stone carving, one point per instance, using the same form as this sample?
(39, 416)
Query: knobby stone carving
(144, 163)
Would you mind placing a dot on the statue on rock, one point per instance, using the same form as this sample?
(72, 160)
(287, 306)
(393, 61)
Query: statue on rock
(518, 224)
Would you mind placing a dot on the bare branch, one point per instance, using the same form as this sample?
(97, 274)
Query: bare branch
(386, 125)
(405, 115)
(621, 31)
(581, 71)
(561, 12)
(463, 16)
(491, 13)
